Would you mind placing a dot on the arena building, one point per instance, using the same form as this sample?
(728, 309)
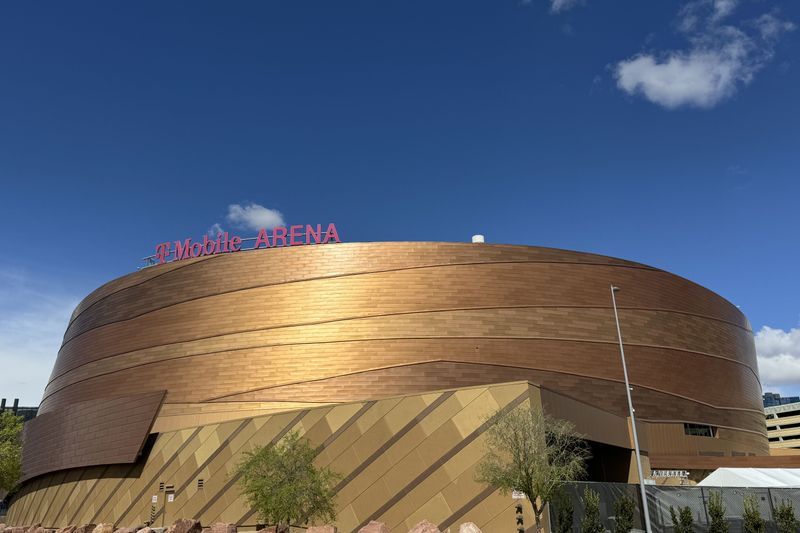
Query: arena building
(388, 357)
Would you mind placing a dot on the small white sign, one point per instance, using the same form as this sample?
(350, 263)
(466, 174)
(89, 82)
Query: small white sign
(518, 495)
(155, 499)
(671, 473)
(170, 497)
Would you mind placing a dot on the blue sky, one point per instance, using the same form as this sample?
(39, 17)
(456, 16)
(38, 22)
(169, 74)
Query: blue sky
(663, 132)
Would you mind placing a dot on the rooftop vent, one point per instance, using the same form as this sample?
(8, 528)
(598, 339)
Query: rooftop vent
(478, 239)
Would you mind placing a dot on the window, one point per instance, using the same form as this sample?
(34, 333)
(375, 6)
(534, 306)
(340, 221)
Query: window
(699, 430)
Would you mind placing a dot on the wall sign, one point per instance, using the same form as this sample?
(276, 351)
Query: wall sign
(167, 252)
(670, 473)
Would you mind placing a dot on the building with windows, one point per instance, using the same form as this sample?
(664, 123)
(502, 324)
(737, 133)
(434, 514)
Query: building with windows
(27, 413)
(771, 399)
(783, 425)
(388, 357)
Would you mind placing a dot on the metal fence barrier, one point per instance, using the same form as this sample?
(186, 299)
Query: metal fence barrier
(661, 498)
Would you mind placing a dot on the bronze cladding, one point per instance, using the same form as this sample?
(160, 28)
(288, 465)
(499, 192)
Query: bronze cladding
(362, 321)
(89, 433)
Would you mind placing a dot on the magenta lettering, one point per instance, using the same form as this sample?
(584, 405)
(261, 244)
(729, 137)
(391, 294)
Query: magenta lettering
(299, 234)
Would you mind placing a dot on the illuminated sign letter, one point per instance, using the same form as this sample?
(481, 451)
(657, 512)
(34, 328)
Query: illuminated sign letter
(295, 235)
(208, 242)
(331, 233)
(162, 252)
(262, 238)
(310, 233)
(279, 233)
(182, 250)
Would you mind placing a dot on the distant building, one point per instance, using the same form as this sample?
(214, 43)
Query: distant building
(771, 399)
(783, 425)
(27, 413)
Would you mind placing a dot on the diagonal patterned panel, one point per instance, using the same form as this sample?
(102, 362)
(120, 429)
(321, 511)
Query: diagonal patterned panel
(368, 442)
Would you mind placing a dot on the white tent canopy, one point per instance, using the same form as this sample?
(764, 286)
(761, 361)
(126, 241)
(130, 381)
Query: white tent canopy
(753, 477)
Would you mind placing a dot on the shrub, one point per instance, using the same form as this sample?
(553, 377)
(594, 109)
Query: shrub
(753, 523)
(716, 513)
(785, 518)
(682, 520)
(591, 512)
(282, 484)
(565, 513)
(624, 508)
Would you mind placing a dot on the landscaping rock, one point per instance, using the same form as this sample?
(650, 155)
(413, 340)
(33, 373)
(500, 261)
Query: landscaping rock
(18, 529)
(321, 529)
(222, 527)
(33, 528)
(68, 529)
(145, 530)
(104, 528)
(425, 527)
(185, 525)
(86, 528)
(126, 530)
(374, 527)
(469, 527)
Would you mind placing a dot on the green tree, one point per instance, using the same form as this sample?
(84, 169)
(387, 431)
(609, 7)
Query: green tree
(716, 513)
(785, 518)
(284, 487)
(532, 452)
(565, 512)
(682, 520)
(10, 450)
(624, 508)
(752, 521)
(591, 512)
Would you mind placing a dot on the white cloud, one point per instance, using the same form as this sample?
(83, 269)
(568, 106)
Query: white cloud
(33, 318)
(556, 6)
(723, 8)
(720, 59)
(215, 230)
(253, 216)
(697, 13)
(778, 358)
(771, 27)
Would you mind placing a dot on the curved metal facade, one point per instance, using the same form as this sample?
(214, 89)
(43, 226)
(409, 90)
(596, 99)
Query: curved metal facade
(229, 335)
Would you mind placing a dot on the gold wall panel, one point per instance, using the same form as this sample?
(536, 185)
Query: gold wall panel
(395, 456)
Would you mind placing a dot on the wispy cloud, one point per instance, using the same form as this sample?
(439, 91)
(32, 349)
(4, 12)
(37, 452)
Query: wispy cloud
(557, 6)
(779, 359)
(33, 318)
(250, 216)
(719, 60)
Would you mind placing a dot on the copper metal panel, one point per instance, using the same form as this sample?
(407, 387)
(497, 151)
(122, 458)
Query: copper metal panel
(361, 321)
(95, 432)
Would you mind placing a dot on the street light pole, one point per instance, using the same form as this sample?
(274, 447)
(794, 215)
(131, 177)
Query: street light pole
(631, 411)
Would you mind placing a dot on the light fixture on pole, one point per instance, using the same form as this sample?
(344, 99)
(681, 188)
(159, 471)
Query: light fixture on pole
(631, 411)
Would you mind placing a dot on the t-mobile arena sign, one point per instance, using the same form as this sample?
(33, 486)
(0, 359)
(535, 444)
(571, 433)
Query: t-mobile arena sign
(166, 252)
